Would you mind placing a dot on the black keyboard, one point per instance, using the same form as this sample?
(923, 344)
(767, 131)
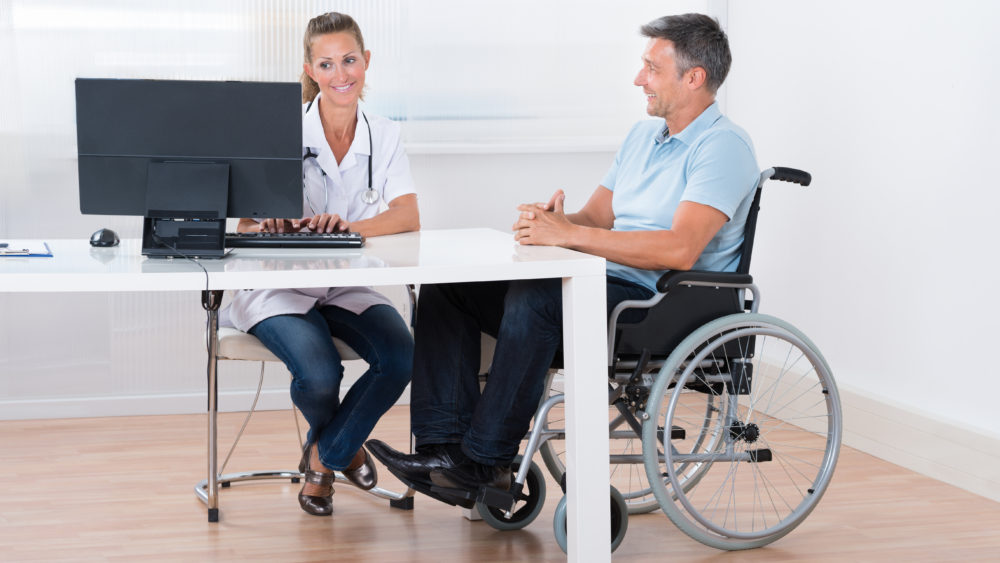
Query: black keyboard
(294, 240)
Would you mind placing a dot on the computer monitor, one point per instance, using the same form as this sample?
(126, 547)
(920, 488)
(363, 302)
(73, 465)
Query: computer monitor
(187, 154)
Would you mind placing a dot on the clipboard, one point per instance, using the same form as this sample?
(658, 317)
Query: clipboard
(25, 248)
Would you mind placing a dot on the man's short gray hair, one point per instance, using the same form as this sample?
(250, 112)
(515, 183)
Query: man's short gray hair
(698, 42)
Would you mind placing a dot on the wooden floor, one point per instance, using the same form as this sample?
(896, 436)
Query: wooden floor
(121, 489)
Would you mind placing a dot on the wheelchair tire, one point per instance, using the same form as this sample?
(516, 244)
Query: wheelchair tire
(781, 431)
(526, 509)
(629, 478)
(619, 521)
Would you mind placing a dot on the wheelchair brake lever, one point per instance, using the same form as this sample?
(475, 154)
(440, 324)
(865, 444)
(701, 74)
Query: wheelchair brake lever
(640, 366)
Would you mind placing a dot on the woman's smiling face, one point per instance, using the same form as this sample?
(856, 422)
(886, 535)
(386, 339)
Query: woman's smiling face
(338, 66)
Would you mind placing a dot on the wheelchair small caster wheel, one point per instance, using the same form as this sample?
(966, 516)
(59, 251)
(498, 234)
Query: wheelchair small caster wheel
(526, 507)
(619, 520)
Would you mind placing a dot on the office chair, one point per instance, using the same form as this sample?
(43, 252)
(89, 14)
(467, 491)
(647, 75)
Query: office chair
(234, 344)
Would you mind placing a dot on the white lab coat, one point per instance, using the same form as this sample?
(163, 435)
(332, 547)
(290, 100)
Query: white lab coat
(329, 188)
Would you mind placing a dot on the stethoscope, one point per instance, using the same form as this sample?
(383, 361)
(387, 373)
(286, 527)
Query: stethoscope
(369, 196)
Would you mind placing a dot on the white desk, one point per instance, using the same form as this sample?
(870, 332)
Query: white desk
(418, 258)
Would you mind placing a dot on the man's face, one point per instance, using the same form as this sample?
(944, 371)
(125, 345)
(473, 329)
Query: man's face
(658, 78)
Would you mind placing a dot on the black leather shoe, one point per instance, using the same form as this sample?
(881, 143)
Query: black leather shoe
(414, 469)
(471, 476)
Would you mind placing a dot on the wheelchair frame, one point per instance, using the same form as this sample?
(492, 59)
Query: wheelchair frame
(700, 358)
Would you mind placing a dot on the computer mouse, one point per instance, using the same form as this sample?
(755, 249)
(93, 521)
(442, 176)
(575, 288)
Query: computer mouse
(104, 237)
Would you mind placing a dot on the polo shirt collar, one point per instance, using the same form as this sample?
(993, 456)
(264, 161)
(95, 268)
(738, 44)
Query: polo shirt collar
(705, 120)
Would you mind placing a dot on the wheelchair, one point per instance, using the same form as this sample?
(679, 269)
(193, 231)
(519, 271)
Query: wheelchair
(726, 419)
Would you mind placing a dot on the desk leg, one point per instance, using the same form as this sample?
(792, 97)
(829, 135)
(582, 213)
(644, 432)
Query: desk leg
(210, 300)
(585, 356)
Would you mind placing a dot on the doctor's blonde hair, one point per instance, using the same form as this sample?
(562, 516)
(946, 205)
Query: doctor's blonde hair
(330, 22)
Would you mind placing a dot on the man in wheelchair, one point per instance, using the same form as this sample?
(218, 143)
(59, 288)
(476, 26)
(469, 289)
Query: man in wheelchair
(676, 197)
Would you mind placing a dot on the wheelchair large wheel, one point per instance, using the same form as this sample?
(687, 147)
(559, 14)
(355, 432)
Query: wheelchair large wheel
(627, 473)
(779, 440)
(526, 508)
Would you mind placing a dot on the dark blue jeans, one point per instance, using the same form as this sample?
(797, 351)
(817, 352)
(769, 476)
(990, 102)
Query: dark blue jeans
(525, 316)
(379, 335)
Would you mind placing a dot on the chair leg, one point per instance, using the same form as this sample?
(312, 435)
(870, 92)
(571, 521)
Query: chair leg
(405, 503)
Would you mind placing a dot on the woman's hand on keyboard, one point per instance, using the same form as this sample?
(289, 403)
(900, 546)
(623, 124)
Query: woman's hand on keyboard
(281, 225)
(325, 223)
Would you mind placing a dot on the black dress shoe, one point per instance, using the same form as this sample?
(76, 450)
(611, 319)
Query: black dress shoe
(471, 476)
(414, 469)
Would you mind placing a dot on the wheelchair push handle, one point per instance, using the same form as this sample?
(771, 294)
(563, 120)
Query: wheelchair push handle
(784, 174)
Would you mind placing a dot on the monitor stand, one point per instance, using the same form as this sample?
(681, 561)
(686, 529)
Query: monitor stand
(186, 209)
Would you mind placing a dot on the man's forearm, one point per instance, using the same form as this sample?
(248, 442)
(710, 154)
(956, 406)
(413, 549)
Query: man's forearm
(584, 220)
(649, 250)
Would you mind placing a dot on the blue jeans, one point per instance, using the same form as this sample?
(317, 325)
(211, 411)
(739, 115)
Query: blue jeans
(379, 335)
(525, 316)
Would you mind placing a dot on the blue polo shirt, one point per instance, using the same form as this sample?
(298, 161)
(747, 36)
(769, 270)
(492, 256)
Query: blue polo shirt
(710, 162)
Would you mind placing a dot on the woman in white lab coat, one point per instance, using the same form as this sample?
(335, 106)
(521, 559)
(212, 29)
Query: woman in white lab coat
(357, 178)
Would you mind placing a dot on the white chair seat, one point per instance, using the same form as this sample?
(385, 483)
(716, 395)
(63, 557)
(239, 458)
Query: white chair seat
(235, 344)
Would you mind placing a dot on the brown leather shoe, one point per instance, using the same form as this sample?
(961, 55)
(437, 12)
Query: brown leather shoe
(363, 476)
(304, 462)
(317, 505)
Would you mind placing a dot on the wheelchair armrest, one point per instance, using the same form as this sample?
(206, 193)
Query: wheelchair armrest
(674, 278)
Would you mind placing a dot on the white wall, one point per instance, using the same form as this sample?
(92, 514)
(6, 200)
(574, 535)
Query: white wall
(885, 260)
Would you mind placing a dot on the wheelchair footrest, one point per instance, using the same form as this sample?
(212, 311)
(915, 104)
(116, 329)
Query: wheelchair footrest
(496, 498)
(490, 496)
(758, 456)
(676, 433)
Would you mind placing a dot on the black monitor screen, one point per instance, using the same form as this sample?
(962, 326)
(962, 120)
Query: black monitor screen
(147, 144)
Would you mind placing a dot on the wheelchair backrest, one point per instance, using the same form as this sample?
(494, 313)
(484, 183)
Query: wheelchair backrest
(686, 308)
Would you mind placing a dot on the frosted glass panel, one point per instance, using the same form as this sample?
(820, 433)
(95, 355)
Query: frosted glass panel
(566, 64)
(558, 72)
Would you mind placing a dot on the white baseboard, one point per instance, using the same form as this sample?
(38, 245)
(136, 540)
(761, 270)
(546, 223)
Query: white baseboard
(136, 405)
(947, 451)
